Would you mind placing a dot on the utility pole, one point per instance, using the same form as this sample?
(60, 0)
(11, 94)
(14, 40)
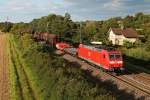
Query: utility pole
(7, 20)
(47, 27)
(80, 32)
(6, 24)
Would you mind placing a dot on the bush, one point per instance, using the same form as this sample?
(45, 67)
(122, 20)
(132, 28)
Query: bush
(148, 44)
(127, 44)
(138, 56)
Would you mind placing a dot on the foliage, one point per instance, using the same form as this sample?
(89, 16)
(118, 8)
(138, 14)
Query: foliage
(138, 56)
(90, 30)
(5, 26)
(23, 89)
(138, 43)
(14, 82)
(127, 44)
(148, 44)
(21, 28)
(52, 23)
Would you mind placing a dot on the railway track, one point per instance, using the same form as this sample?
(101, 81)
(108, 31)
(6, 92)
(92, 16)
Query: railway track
(140, 77)
(143, 76)
(134, 83)
(139, 74)
(139, 88)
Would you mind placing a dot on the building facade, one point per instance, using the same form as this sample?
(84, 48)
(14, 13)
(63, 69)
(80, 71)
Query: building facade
(117, 35)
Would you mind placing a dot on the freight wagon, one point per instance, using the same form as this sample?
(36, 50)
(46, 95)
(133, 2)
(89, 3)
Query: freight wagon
(51, 39)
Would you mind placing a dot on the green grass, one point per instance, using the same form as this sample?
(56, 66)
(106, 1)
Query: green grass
(14, 88)
(22, 85)
(138, 58)
(134, 67)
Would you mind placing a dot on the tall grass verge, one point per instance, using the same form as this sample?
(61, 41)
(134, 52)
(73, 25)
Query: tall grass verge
(21, 76)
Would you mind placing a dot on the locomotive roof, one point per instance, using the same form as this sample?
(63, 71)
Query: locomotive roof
(100, 47)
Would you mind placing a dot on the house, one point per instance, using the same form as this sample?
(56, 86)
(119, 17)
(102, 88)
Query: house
(118, 35)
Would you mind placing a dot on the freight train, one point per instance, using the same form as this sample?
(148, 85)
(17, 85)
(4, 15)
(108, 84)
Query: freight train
(102, 56)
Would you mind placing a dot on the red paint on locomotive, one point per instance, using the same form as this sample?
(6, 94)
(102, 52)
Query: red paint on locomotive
(109, 60)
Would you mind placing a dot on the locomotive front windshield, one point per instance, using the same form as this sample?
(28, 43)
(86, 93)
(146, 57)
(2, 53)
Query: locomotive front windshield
(114, 56)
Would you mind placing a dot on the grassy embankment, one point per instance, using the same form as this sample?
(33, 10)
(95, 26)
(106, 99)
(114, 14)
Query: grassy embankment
(20, 86)
(14, 80)
(138, 59)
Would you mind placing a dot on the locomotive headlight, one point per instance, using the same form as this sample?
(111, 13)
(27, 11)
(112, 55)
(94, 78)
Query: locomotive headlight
(119, 62)
(111, 62)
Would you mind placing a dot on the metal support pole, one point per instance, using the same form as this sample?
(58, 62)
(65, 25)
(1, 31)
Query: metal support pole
(80, 33)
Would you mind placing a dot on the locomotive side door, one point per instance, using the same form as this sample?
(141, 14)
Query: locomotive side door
(103, 59)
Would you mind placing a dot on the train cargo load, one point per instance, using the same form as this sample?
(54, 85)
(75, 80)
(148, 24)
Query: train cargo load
(105, 58)
(72, 51)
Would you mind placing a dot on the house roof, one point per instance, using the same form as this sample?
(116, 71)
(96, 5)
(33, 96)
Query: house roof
(127, 32)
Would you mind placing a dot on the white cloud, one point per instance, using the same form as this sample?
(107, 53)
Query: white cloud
(114, 4)
(26, 10)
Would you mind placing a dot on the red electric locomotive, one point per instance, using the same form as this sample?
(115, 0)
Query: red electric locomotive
(109, 60)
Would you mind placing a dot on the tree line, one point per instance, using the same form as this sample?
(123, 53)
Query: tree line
(90, 30)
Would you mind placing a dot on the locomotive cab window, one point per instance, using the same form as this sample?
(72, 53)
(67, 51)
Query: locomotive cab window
(118, 56)
(114, 56)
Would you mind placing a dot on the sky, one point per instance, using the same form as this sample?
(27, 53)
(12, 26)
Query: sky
(80, 10)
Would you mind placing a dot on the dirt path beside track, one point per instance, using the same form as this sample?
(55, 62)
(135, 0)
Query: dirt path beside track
(4, 69)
